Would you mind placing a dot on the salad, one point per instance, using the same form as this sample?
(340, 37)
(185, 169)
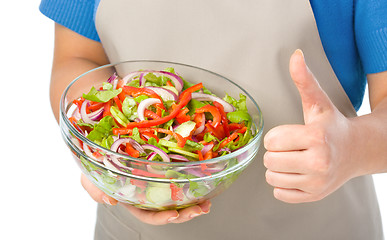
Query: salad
(160, 117)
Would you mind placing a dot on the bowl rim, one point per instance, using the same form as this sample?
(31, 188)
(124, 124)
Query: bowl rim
(64, 119)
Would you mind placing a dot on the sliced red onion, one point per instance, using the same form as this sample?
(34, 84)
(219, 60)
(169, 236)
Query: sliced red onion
(136, 146)
(142, 80)
(114, 83)
(215, 168)
(165, 94)
(116, 144)
(207, 97)
(96, 115)
(176, 79)
(155, 171)
(160, 152)
(201, 128)
(89, 153)
(109, 165)
(120, 151)
(85, 117)
(78, 143)
(144, 104)
(128, 78)
(118, 165)
(207, 148)
(151, 156)
(195, 172)
(177, 157)
(112, 78)
(225, 150)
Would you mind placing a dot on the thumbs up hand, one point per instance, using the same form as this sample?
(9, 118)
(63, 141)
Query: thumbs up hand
(308, 162)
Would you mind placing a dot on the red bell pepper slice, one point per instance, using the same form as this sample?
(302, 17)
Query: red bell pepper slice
(121, 95)
(208, 155)
(176, 192)
(79, 102)
(170, 84)
(198, 119)
(95, 106)
(191, 89)
(235, 126)
(223, 116)
(214, 112)
(182, 116)
(151, 135)
(138, 183)
(131, 151)
(106, 109)
(218, 132)
(118, 102)
(140, 172)
(232, 137)
(149, 114)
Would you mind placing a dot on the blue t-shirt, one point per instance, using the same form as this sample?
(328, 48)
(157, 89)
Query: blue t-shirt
(353, 34)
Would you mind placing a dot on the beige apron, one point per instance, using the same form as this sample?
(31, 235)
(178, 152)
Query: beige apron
(249, 42)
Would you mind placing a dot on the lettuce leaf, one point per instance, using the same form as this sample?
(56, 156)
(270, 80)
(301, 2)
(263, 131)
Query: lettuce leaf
(136, 136)
(102, 130)
(129, 108)
(101, 96)
(240, 104)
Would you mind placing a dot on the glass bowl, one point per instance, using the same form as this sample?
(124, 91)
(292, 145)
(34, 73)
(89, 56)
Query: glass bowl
(149, 184)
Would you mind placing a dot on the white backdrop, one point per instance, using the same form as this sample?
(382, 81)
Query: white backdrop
(41, 193)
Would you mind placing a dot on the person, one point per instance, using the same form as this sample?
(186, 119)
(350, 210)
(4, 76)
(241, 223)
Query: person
(319, 154)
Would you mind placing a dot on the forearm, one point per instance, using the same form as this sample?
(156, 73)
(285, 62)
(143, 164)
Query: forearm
(369, 146)
(63, 72)
(73, 55)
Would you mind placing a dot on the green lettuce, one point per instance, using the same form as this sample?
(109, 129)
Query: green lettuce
(101, 96)
(102, 130)
(240, 104)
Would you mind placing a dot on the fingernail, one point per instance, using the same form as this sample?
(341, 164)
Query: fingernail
(172, 218)
(195, 214)
(106, 200)
(208, 209)
(300, 52)
(205, 212)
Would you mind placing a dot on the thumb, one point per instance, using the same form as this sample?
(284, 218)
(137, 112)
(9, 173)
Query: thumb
(314, 99)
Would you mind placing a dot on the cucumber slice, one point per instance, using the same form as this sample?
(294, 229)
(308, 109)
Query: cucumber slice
(158, 194)
(185, 128)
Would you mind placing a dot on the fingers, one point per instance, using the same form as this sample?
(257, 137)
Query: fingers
(95, 193)
(287, 138)
(149, 217)
(192, 212)
(169, 216)
(285, 162)
(286, 180)
(292, 195)
(152, 217)
(314, 99)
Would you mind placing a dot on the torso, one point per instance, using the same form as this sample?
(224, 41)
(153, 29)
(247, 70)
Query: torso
(250, 43)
